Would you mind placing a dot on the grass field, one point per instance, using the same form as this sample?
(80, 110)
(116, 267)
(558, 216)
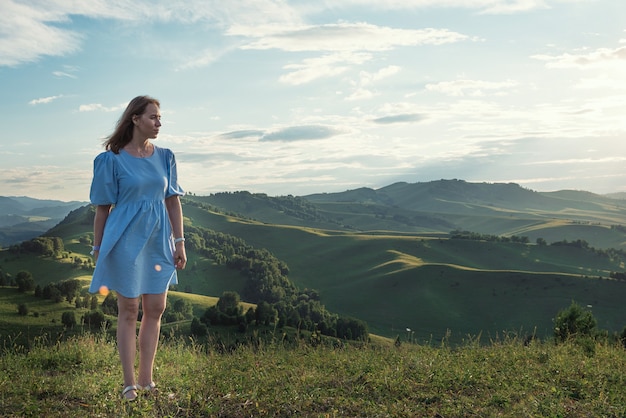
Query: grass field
(82, 377)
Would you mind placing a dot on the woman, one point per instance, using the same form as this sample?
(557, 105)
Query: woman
(138, 234)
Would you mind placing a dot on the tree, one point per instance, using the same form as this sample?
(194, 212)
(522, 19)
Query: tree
(183, 307)
(93, 304)
(228, 304)
(109, 304)
(352, 329)
(25, 281)
(198, 328)
(69, 288)
(68, 319)
(265, 314)
(56, 295)
(573, 322)
(94, 319)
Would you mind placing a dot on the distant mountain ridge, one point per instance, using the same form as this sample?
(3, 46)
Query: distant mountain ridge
(23, 218)
(442, 206)
(454, 196)
(427, 207)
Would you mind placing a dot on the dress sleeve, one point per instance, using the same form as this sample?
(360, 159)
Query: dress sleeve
(173, 188)
(104, 185)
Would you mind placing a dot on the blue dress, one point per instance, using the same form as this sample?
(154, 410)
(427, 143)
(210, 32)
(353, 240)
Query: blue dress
(137, 250)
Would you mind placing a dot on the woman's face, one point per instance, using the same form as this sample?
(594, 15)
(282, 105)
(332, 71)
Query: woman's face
(149, 122)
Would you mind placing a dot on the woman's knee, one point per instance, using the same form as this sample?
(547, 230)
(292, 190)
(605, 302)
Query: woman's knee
(128, 309)
(153, 306)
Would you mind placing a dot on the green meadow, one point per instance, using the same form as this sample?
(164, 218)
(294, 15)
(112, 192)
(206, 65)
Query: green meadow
(505, 378)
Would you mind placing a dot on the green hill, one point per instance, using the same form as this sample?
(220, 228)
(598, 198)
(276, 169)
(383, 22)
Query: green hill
(385, 256)
(439, 207)
(433, 285)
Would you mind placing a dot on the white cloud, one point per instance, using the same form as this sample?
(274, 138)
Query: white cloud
(325, 66)
(602, 81)
(204, 59)
(68, 71)
(347, 44)
(33, 29)
(601, 57)
(482, 6)
(466, 87)
(46, 182)
(63, 74)
(26, 35)
(92, 107)
(367, 80)
(346, 37)
(44, 100)
(513, 6)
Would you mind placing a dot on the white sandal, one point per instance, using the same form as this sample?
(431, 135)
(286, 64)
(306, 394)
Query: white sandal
(150, 387)
(128, 389)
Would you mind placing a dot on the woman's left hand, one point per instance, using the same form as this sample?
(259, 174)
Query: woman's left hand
(180, 256)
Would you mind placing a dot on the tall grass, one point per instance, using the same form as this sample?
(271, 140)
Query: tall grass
(82, 377)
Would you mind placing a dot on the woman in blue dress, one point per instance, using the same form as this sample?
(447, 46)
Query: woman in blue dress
(138, 234)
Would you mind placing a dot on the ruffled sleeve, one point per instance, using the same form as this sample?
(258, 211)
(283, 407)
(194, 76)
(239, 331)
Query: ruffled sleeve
(173, 188)
(104, 186)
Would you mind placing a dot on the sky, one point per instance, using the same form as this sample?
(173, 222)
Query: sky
(294, 97)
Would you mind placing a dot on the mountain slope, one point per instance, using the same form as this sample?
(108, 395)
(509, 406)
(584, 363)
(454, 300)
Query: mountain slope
(432, 285)
(23, 218)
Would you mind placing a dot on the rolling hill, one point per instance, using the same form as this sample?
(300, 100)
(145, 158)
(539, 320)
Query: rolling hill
(385, 256)
(439, 207)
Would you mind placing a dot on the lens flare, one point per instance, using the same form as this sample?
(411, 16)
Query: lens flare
(103, 290)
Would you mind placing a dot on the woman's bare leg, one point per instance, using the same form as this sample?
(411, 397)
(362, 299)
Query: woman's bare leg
(128, 309)
(149, 331)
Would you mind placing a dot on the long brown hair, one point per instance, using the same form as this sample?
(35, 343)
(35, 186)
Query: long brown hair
(123, 132)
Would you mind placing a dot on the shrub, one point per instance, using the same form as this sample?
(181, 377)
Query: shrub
(574, 322)
(68, 319)
(94, 319)
(198, 329)
(22, 309)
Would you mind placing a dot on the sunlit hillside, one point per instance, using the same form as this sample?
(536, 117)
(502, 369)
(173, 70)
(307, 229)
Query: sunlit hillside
(529, 254)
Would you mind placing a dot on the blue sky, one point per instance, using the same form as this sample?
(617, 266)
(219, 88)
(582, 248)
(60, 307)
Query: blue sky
(299, 97)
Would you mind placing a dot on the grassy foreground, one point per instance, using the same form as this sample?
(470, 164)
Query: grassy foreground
(82, 377)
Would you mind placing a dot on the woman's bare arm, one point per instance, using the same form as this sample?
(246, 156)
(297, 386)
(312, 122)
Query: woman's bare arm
(175, 213)
(99, 220)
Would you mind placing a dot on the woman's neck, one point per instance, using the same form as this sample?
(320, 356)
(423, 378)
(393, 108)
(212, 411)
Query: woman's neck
(139, 148)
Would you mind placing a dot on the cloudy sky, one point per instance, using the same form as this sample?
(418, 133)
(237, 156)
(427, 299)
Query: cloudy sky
(299, 96)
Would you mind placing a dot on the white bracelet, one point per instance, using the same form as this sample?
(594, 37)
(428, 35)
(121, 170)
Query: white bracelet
(177, 240)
